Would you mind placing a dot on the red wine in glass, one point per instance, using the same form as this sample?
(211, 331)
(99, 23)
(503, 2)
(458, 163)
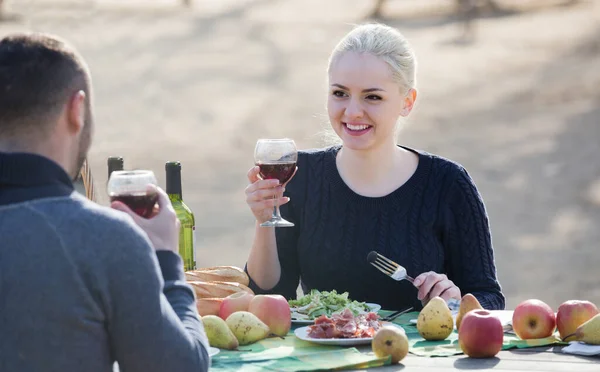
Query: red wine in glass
(131, 188)
(141, 204)
(281, 171)
(276, 159)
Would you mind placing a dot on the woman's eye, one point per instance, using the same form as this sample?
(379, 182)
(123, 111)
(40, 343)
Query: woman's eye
(374, 97)
(339, 93)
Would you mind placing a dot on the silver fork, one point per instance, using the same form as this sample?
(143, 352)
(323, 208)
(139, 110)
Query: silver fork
(388, 267)
(397, 272)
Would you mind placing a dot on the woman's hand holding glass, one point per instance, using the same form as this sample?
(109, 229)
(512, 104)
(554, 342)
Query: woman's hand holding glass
(275, 161)
(262, 195)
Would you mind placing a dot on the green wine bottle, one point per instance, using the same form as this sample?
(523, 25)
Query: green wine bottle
(115, 163)
(185, 215)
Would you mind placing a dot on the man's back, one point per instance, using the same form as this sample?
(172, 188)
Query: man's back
(54, 303)
(81, 286)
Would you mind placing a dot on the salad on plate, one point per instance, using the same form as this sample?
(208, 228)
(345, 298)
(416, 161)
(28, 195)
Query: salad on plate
(316, 303)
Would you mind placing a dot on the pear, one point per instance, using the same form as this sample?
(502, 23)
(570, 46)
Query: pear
(390, 340)
(218, 333)
(247, 327)
(435, 320)
(467, 303)
(588, 332)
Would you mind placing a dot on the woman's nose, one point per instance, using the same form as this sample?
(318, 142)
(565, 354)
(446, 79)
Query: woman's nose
(354, 109)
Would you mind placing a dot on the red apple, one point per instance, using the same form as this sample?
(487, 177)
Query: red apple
(533, 319)
(239, 301)
(274, 311)
(480, 334)
(571, 314)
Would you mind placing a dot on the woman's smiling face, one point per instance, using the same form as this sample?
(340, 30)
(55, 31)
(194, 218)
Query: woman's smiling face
(364, 102)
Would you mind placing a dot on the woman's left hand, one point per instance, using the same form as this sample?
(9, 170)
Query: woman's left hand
(432, 284)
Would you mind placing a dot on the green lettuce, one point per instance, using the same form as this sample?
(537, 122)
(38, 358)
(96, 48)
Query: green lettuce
(317, 303)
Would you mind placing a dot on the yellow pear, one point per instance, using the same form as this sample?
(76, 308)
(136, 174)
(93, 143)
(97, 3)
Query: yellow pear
(218, 333)
(467, 303)
(588, 332)
(390, 340)
(435, 320)
(247, 327)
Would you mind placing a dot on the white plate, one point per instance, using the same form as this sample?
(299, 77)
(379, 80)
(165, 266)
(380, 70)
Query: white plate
(212, 351)
(374, 308)
(302, 333)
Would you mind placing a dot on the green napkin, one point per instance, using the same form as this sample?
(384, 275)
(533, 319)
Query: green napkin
(293, 354)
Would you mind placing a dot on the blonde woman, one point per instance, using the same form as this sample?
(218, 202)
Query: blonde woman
(368, 193)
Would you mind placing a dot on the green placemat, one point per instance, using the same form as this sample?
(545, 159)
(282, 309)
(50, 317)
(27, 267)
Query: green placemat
(449, 346)
(325, 361)
(293, 354)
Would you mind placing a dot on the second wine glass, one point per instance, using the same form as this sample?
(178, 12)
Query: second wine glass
(276, 159)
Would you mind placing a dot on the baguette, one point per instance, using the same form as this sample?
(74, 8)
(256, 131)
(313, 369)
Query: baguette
(208, 306)
(217, 289)
(220, 274)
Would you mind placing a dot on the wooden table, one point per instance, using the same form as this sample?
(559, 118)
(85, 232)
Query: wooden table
(547, 358)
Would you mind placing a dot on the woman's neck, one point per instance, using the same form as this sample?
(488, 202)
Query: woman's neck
(378, 171)
(373, 162)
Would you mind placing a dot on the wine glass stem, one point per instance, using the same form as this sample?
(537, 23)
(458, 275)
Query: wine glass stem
(276, 213)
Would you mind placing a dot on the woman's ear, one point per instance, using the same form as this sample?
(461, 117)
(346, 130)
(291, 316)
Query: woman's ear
(409, 102)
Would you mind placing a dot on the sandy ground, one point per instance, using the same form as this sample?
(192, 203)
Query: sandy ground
(518, 106)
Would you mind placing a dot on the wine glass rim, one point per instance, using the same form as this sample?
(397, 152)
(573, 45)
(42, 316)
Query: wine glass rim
(134, 172)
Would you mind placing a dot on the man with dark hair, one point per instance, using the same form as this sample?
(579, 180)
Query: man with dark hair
(81, 286)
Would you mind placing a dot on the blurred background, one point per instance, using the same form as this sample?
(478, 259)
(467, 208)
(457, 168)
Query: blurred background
(510, 90)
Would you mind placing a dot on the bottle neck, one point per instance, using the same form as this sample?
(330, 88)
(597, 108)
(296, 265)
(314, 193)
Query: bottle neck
(174, 183)
(114, 164)
(175, 198)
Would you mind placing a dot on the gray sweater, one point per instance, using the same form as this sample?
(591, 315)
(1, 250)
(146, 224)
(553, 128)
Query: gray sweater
(81, 285)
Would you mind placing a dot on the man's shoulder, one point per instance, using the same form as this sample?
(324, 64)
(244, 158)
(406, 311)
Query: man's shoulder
(78, 211)
(86, 231)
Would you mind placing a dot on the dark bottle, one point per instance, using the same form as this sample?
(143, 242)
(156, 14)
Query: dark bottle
(115, 163)
(185, 215)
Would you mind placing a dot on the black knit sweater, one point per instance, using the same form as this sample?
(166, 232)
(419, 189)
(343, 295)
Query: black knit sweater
(436, 222)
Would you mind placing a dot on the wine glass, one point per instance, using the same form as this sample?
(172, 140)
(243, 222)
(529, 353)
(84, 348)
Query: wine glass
(131, 188)
(276, 159)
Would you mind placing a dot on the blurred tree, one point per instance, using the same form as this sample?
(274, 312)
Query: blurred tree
(376, 11)
(466, 9)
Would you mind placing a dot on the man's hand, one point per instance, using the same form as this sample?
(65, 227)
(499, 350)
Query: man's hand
(162, 227)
